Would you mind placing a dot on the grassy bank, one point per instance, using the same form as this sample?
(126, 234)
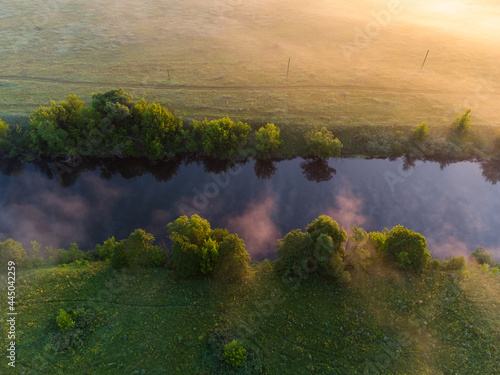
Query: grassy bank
(151, 322)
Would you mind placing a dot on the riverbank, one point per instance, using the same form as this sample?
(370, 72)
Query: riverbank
(149, 321)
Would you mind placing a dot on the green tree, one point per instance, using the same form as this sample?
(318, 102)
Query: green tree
(421, 132)
(11, 250)
(4, 137)
(321, 143)
(414, 246)
(235, 354)
(462, 123)
(223, 138)
(318, 251)
(160, 132)
(483, 257)
(137, 250)
(198, 250)
(267, 139)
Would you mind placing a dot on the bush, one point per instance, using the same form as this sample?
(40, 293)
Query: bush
(219, 138)
(462, 123)
(267, 139)
(356, 248)
(200, 251)
(435, 264)
(421, 132)
(4, 137)
(137, 250)
(105, 251)
(318, 251)
(161, 131)
(235, 354)
(71, 255)
(65, 321)
(407, 248)
(11, 250)
(483, 257)
(455, 263)
(322, 143)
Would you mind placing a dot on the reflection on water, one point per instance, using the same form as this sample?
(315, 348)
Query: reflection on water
(456, 207)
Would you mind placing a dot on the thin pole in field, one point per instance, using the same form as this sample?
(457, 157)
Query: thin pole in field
(425, 60)
(288, 69)
(168, 72)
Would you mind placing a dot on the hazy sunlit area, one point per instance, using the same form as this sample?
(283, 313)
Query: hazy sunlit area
(351, 61)
(244, 187)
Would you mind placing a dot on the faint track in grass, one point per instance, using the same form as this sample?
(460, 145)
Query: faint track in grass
(237, 87)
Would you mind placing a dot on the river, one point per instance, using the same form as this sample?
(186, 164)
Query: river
(456, 207)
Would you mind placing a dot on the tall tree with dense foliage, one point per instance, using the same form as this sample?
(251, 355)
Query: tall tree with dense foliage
(198, 250)
(318, 251)
(160, 132)
(321, 143)
(421, 132)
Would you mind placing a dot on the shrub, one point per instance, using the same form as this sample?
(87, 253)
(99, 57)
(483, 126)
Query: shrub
(407, 248)
(35, 259)
(220, 138)
(71, 255)
(356, 248)
(267, 139)
(455, 263)
(198, 250)
(105, 251)
(435, 264)
(421, 132)
(235, 354)
(137, 250)
(4, 137)
(318, 251)
(379, 240)
(11, 250)
(65, 321)
(483, 257)
(462, 123)
(321, 143)
(161, 131)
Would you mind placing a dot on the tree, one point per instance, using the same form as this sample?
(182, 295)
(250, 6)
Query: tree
(407, 248)
(318, 251)
(267, 139)
(462, 123)
(137, 250)
(200, 251)
(11, 250)
(4, 137)
(317, 170)
(356, 248)
(321, 143)
(421, 132)
(223, 138)
(160, 132)
(483, 257)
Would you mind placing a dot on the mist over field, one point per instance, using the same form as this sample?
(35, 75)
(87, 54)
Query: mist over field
(365, 56)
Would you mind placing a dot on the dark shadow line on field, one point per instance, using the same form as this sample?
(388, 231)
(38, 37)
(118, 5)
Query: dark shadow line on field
(248, 87)
(108, 302)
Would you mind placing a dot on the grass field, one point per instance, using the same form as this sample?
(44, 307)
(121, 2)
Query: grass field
(352, 63)
(150, 322)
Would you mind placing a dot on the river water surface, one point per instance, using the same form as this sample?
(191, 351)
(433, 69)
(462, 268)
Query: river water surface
(455, 208)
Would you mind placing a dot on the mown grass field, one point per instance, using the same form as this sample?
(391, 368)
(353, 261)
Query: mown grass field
(352, 63)
(150, 322)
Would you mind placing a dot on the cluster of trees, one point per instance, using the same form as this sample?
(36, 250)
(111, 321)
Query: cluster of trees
(323, 250)
(115, 124)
